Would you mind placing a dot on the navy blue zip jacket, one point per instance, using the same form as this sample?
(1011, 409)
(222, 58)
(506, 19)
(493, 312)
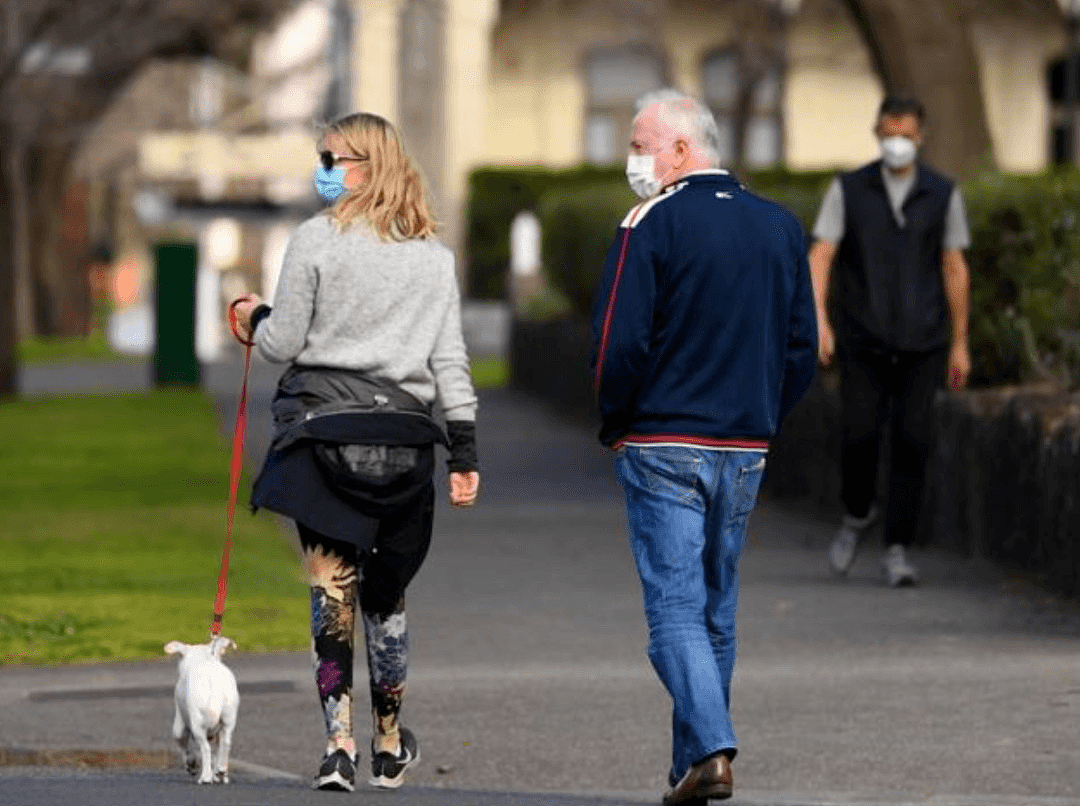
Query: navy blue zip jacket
(704, 329)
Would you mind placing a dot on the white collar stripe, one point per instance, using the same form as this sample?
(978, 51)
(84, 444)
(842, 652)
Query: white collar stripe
(638, 213)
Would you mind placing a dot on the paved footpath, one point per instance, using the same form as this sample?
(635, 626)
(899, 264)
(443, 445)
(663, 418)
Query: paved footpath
(530, 685)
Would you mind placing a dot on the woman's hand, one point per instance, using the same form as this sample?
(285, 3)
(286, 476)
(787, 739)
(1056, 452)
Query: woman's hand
(464, 487)
(243, 310)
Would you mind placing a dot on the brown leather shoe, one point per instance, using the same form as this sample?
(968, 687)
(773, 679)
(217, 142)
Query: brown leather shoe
(710, 778)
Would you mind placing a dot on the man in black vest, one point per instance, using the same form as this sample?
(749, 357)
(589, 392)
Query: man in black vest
(896, 230)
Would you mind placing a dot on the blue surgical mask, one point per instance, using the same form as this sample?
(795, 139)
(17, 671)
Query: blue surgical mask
(329, 184)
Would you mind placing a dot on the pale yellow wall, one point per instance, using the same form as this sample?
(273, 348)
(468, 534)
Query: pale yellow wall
(831, 96)
(833, 93)
(376, 85)
(468, 49)
(536, 94)
(690, 35)
(536, 90)
(189, 155)
(376, 33)
(1013, 60)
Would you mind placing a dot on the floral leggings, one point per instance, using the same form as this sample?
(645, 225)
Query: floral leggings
(339, 576)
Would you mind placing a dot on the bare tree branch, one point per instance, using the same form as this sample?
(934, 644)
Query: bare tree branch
(49, 16)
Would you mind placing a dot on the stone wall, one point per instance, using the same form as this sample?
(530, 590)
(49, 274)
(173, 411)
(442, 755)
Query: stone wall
(1003, 482)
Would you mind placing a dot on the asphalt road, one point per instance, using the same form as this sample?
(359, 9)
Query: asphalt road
(529, 682)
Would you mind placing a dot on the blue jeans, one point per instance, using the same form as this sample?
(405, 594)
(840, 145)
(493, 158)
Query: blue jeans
(688, 510)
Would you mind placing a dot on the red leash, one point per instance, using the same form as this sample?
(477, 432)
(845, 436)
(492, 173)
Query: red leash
(234, 476)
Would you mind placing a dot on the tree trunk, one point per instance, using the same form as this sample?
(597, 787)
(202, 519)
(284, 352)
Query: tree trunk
(760, 37)
(60, 291)
(25, 324)
(914, 44)
(7, 273)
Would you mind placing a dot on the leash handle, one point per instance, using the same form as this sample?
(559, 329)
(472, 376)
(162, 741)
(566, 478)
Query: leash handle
(234, 476)
(235, 328)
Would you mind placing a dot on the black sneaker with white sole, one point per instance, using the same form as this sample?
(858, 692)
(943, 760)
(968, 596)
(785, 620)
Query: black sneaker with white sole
(388, 769)
(336, 773)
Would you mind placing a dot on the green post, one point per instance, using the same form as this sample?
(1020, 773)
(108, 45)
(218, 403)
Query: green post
(174, 305)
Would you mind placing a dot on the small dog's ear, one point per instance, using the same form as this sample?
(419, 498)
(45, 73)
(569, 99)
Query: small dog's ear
(220, 644)
(176, 648)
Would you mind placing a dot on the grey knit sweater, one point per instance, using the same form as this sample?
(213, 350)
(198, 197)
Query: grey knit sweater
(389, 309)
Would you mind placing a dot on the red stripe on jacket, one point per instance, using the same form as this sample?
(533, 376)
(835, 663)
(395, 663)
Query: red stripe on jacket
(609, 314)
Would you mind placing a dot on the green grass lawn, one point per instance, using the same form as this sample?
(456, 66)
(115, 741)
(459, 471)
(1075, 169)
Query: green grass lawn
(112, 522)
(36, 350)
(490, 373)
(487, 372)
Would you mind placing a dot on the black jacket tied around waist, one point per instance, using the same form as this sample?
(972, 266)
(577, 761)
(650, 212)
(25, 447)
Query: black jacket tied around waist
(346, 451)
(346, 406)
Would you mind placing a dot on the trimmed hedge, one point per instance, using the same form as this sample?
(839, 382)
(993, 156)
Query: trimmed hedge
(579, 226)
(1025, 259)
(1025, 267)
(496, 195)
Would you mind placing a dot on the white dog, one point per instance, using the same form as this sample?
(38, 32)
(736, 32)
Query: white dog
(206, 704)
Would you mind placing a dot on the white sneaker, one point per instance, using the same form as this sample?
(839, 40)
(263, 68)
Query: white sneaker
(852, 531)
(898, 571)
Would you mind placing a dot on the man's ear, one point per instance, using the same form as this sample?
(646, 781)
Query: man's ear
(682, 152)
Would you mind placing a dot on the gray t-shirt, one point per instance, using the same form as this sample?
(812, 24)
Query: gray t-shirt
(830, 221)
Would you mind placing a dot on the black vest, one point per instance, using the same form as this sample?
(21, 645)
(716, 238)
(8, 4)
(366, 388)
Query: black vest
(889, 284)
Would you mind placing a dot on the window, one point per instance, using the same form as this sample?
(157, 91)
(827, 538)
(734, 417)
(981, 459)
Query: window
(614, 80)
(1062, 141)
(762, 129)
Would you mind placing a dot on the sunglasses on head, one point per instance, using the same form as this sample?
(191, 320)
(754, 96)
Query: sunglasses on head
(329, 159)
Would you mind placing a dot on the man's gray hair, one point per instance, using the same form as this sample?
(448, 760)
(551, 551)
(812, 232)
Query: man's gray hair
(687, 116)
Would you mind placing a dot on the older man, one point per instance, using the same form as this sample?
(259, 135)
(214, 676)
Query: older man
(705, 337)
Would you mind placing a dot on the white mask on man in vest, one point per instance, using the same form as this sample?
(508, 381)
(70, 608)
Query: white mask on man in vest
(898, 151)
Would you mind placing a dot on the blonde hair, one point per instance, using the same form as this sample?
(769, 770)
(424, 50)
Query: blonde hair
(392, 198)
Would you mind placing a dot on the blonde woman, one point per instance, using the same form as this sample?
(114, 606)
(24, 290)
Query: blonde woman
(367, 311)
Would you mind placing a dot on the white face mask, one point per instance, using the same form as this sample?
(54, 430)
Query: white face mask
(898, 151)
(641, 174)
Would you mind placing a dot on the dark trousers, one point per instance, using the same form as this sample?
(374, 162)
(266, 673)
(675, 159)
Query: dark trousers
(882, 388)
